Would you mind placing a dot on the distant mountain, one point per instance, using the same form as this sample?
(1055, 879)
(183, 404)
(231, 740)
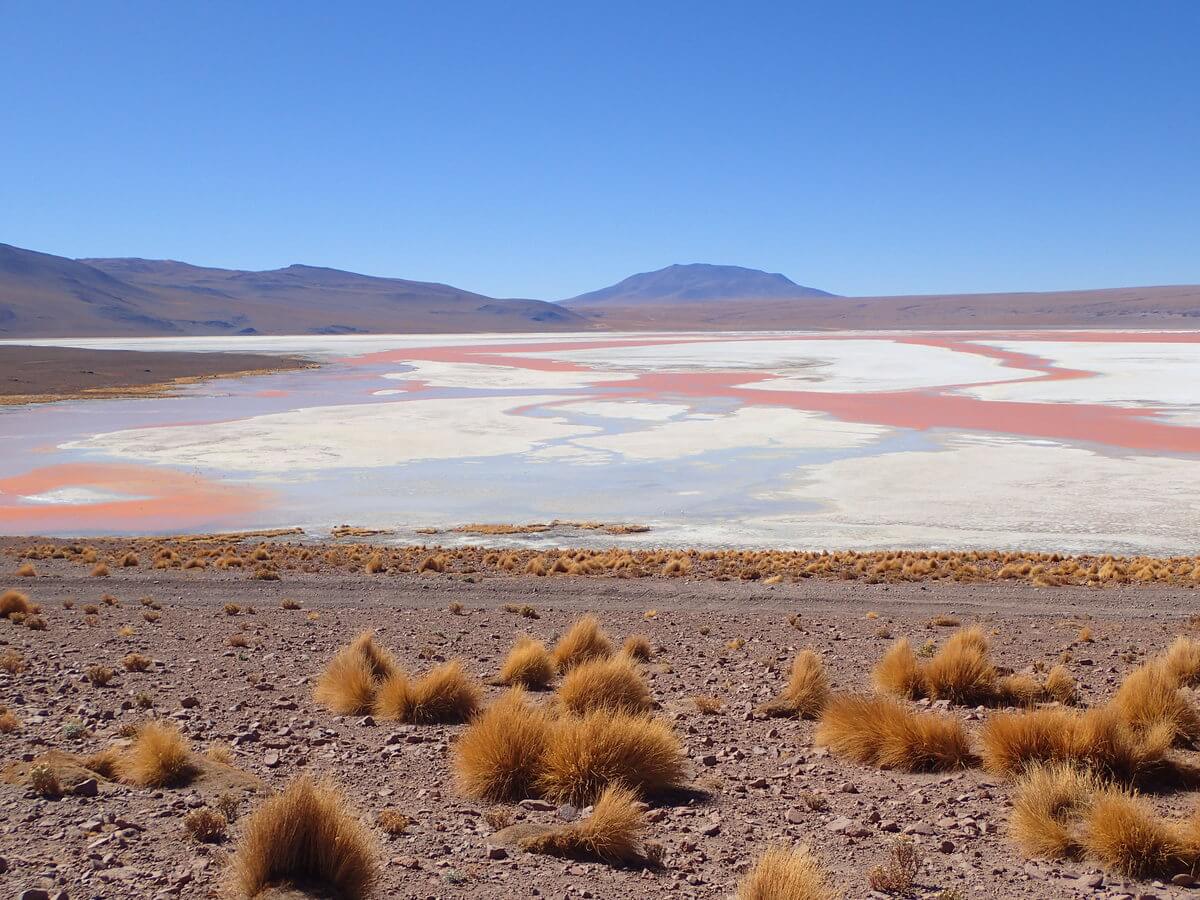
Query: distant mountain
(50, 296)
(696, 283)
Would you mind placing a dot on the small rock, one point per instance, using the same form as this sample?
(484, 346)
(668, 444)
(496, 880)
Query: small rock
(86, 788)
(494, 852)
(189, 702)
(1183, 879)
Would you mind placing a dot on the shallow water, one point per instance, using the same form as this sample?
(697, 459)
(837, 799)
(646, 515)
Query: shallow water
(1069, 441)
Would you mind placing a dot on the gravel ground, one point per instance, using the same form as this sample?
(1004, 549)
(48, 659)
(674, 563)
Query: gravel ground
(759, 781)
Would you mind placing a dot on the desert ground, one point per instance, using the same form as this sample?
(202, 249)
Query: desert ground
(44, 374)
(233, 652)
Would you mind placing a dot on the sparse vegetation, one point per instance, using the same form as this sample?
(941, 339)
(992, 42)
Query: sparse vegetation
(881, 732)
(305, 835)
(207, 826)
(614, 683)
(159, 756)
(782, 874)
(528, 664)
(585, 641)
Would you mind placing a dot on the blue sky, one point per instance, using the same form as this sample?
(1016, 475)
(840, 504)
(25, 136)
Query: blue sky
(546, 149)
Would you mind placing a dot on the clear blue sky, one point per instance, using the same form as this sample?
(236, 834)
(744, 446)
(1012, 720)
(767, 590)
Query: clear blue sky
(545, 149)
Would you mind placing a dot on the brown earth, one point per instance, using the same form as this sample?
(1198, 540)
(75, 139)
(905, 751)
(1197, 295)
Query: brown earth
(43, 374)
(759, 781)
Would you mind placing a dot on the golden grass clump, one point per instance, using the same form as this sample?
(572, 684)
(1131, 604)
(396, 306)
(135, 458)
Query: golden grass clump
(12, 662)
(882, 732)
(614, 683)
(305, 836)
(100, 570)
(392, 822)
(584, 641)
(588, 753)
(1124, 835)
(807, 690)
(1150, 696)
(445, 694)
(528, 664)
(1181, 661)
(14, 602)
(961, 670)
(26, 570)
(349, 682)
(500, 755)
(637, 646)
(1097, 739)
(899, 672)
(205, 825)
(611, 834)
(783, 874)
(100, 676)
(1047, 803)
(1061, 686)
(136, 662)
(158, 757)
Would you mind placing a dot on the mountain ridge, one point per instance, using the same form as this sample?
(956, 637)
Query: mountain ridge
(696, 283)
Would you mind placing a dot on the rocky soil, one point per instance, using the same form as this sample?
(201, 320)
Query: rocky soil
(756, 781)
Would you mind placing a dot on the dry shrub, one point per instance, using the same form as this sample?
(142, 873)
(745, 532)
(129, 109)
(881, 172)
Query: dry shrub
(158, 757)
(349, 682)
(445, 694)
(129, 560)
(709, 706)
(100, 676)
(898, 874)
(205, 825)
(232, 609)
(961, 671)
(289, 603)
(587, 754)
(899, 673)
(584, 641)
(12, 662)
(782, 874)
(1048, 801)
(500, 756)
(1181, 662)
(238, 640)
(105, 762)
(637, 646)
(1061, 686)
(1124, 835)
(374, 565)
(100, 571)
(1149, 696)
(611, 834)
(305, 836)
(613, 683)
(882, 732)
(44, 782)
(528, 664)
(1097, 739)
(1019, 690)
(14, 602)
(392, 822)
(807, 690)
(136, 662)
(221, 753)
(8, 722)
(26, 570)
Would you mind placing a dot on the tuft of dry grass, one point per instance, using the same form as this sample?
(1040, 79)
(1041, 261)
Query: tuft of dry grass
(882, 732)
(1149, 696)
(205, 825)
(289, 603)
(136, 662)
(305, 835)
(26, 570)
(1061, 686)
(158, 757)
(12, 662)
(1048, 800)
(100, 676)
(1124, 835)
(44, 782)
(238, 640)
(1097, 739)
(807, 690)
(637, 646)
(528, 664)
(588, 753)
(100, 570)
(611, 834)
(1181, 661)
(961, 671)
(349, 682)
(444, 694)
(614, 683)
(14, 602)
(392, 822)
(584, 641)
(500, 755)
(709, 706)
(783, 874)
(899, 673)
(9, 723)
